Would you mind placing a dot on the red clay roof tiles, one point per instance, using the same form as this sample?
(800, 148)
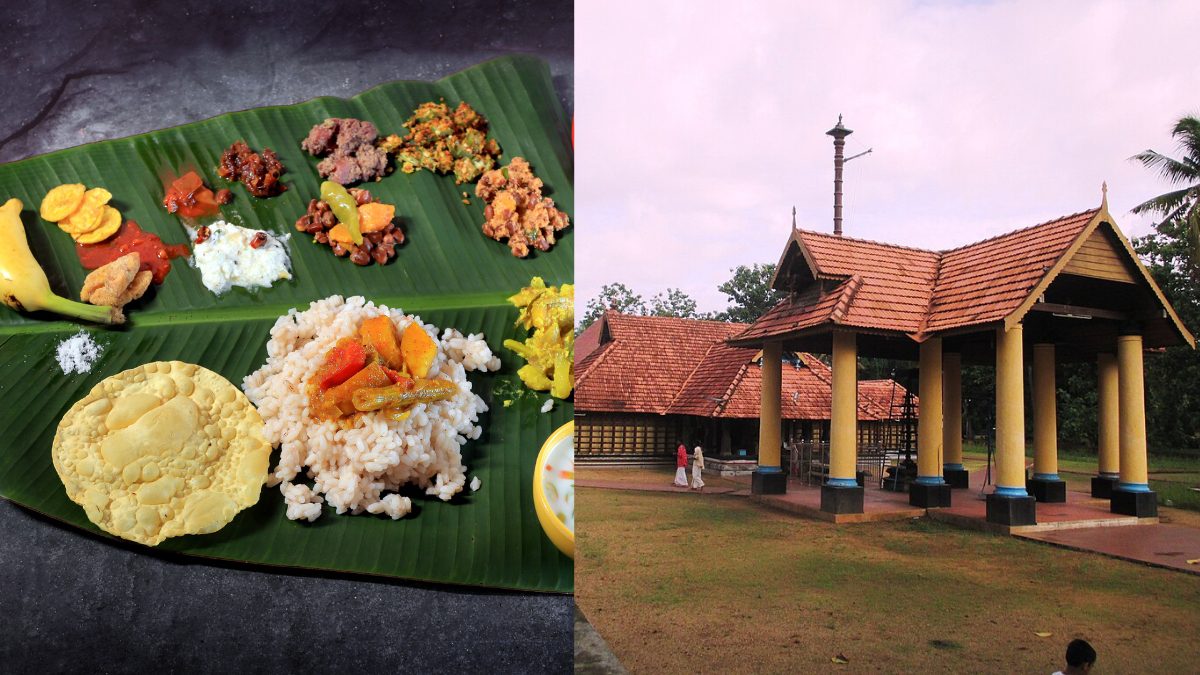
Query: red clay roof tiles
(685, 367)
(907, 290)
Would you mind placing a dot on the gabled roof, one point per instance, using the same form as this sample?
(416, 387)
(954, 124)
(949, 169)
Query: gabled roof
(889, 288)
(671, 366)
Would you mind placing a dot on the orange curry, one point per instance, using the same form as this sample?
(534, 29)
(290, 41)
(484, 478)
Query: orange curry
(377, 370)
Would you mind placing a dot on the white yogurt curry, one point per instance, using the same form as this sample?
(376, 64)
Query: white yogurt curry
(558, 480)
(238, 256)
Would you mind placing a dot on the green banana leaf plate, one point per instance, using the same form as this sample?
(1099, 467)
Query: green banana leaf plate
(447, 271)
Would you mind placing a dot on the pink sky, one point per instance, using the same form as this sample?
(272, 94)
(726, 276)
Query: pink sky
(700, 124)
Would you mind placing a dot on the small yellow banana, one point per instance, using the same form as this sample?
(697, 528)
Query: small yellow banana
(23, 284)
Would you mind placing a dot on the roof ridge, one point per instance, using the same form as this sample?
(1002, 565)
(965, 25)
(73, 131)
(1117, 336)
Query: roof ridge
(941, 252)
(867, 241)
(733, 385)
(654, 317)
(596, 357)
(684, 385)
(849, 290)
(1019, 230)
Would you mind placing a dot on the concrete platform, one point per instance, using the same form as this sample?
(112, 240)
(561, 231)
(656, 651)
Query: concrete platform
(805, 500)
(1168, 546)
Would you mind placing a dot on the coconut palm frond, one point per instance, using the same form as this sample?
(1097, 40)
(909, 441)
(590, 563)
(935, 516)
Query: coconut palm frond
(1170, 205)
(1187, 130)
(1172, 169)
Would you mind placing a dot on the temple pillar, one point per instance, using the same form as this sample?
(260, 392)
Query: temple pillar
(1132, 495)
(1045, 485)
(930, 490)
(1010, 504)
(1109, 432)
(842, 493)
(953, 471)
(768, 478)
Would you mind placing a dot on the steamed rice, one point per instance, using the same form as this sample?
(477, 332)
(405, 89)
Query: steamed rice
(352, 469)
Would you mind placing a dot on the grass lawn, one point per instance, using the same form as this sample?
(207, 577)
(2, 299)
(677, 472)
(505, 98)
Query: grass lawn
(1171, 477)
(680, 583)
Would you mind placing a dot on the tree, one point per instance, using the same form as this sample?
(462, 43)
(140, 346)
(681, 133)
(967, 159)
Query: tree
(1181, 206)
(674, 303)
(750, 293)
(1172, 254)
(616, 296)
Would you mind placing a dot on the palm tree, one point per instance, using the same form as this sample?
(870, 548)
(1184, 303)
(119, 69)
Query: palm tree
(1180, 206)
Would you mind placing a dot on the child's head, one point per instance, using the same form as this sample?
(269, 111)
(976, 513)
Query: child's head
(1080, 654)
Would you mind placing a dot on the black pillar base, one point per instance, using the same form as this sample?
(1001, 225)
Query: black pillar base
(1011, 510)
(836, 499)
(1103, 486)
(929, 496)
(773, 483)
(1049, 491)
(1140, 504)
(958, 479)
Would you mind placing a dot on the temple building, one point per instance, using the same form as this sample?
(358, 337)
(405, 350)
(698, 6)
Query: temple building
(644, 384)
(1070, 289)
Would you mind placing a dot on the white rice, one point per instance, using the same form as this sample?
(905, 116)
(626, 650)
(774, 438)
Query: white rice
(351, 469)
(548, 405)
(476, 484)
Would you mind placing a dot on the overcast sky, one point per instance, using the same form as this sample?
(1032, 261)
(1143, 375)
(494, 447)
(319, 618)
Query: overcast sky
(699, 128)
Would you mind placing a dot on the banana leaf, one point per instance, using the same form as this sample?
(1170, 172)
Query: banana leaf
(448, 272)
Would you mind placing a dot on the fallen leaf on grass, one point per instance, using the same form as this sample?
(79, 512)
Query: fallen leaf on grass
(840, 658)
(1041, 633)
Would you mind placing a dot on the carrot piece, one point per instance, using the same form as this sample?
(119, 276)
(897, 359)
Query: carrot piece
(346, 358)
(342, 396)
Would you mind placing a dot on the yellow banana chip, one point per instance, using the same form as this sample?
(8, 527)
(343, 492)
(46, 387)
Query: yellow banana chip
(162, 450)
(90, 213)
(110, 222)
(61, 201)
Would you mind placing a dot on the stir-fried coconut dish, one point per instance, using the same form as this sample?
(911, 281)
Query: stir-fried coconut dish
(516, 209)
(364, 400)
(443, 141)
(348, 146)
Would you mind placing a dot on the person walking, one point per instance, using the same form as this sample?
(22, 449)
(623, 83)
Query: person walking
(681, 462)
(697, 467)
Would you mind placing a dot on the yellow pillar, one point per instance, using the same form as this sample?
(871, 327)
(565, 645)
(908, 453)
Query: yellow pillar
(1045, 414)
(1132, 404)
(843, 415)
(1010, 413)
(768, 418)
(1109, 412)
(952, 411)
(929, 423)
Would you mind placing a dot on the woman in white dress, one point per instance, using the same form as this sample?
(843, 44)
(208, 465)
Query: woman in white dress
(697, 467)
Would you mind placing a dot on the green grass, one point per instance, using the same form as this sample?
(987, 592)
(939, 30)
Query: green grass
(678, 583)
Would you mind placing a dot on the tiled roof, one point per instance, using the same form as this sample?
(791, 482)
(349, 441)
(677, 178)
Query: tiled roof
(913, 291)
(645, 365)
(685, 367)
(987, 280)
(587, 341)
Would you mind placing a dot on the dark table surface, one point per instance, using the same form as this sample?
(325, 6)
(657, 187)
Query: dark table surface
(78, 72)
